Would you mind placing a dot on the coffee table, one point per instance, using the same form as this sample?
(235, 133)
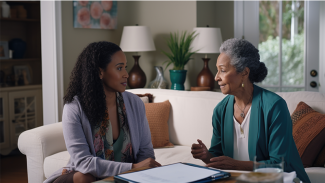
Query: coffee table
(231, 179)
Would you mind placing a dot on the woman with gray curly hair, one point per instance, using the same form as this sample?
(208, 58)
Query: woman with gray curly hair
(251, 121)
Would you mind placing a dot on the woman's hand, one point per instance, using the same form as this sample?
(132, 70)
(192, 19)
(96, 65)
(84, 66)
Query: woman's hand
(149, 162)
(227, 163)
(224, 162)
(200, 151)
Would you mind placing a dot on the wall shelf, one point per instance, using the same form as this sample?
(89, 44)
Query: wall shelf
(21, 60)
(20, 88)
(19, 19)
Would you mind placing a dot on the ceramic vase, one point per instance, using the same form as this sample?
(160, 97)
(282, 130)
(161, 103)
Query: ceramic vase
(177, 77)
(5, 10)
(19, 48)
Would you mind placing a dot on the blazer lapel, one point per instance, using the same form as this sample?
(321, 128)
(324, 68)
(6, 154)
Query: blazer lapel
(229, 128)
(254, 123)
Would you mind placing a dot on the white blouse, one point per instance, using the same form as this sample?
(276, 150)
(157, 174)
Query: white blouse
(241, 132)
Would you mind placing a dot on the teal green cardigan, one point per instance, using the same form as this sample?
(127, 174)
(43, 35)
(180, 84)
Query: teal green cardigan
(270, 131)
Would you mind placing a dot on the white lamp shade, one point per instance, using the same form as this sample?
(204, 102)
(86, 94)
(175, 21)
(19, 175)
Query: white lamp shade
(137, 39)
(208, 40)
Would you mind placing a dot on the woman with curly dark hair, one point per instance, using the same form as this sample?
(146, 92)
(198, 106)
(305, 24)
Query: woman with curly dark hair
(105, 128)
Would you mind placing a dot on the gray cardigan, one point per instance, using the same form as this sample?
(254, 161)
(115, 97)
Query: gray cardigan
(79, 140)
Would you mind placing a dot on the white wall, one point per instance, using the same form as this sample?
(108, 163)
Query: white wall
(161, 17)
(215, 14)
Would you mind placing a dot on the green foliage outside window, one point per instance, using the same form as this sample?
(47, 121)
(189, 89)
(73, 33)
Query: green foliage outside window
(292, 51)
(292, 60)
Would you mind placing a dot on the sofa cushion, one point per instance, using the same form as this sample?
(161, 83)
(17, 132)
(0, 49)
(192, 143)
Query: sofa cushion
(158, 115)
(315, 174)
(148, 95)
(163, 155)
(308, 132)
(145, 99)
(176, 154)
(54, 162)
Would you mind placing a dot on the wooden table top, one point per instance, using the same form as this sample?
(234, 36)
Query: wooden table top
(231, 179)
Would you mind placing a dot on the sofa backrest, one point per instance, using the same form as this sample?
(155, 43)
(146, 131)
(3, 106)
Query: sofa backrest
(315, 100)
(191, 111)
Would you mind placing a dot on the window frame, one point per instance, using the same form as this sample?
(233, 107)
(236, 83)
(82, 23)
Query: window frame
(246, 26)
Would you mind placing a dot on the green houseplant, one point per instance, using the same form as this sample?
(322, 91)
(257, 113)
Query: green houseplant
(179, 45)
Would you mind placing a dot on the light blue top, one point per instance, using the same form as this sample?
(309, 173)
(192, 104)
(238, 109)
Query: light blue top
(79, 139)
(270, 131)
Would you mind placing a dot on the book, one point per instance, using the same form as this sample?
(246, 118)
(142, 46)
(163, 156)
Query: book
(178, 173)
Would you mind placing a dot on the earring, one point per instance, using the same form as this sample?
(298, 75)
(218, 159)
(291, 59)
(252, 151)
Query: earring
(242, 85)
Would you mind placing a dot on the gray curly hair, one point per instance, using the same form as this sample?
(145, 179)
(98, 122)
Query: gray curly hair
(243, 54)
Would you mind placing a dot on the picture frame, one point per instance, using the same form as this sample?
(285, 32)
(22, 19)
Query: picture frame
(4, 50)
(95, 14)
(22, 75)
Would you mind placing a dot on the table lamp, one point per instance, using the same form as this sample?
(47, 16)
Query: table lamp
(136, 39)
(208, 41)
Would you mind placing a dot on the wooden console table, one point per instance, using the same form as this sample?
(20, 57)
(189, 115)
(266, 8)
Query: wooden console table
(231, 179)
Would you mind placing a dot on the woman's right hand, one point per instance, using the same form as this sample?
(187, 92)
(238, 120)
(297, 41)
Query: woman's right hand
(149, 162)
(200, 151)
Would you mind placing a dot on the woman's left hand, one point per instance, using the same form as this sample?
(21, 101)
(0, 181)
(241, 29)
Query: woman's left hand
(223, 162)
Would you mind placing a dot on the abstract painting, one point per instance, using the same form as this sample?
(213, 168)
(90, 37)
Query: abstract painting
(95, 14)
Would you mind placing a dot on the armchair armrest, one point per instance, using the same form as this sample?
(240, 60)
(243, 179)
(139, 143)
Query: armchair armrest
(37, 144)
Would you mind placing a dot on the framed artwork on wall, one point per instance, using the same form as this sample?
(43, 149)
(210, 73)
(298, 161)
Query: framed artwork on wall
(95, 14)
(4, 50)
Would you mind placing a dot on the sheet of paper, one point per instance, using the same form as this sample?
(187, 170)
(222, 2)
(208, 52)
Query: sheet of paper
(175, 173)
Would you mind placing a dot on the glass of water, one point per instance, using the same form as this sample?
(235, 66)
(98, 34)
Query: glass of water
(273, 172)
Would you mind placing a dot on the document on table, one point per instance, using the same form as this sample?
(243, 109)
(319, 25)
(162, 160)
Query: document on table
(178, 172)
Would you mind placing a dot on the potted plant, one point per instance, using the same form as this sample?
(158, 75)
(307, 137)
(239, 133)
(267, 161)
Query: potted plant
(181, 53)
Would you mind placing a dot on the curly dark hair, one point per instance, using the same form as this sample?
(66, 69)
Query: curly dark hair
(85, 82)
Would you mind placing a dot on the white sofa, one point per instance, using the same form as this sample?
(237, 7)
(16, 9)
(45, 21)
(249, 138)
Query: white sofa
(189, 120)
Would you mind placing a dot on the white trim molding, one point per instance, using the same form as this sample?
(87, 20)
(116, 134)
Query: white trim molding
(312, 17)
(239, 19)
(52, 69)
(322, 47)
(246, 21)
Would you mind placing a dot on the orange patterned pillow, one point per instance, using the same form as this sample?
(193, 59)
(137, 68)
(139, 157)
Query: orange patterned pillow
(308, 131)
(158, 115)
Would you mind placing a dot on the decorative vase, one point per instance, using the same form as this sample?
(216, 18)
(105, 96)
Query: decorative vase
(137, 78)
(205, 77)
(160, 82)
(5, 10)
(177, 77)
(18, 46)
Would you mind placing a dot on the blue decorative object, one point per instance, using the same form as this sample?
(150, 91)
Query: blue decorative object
(19, 48)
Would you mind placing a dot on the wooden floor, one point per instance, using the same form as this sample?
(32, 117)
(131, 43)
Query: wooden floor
(13, 168)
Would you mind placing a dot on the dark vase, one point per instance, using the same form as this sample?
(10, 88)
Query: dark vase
(19, 48)
(137, 78)
(177, 77)
(205, 77)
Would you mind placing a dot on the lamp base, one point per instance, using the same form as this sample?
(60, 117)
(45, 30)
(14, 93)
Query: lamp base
(137, 78)
(205, 77)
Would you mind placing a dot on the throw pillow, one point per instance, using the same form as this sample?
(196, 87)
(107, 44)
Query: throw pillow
(150, 97)
(158, 115)
(145, 99)
(308, 132)
(320, 160)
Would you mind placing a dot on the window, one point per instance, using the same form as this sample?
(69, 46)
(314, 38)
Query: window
(283, 32)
